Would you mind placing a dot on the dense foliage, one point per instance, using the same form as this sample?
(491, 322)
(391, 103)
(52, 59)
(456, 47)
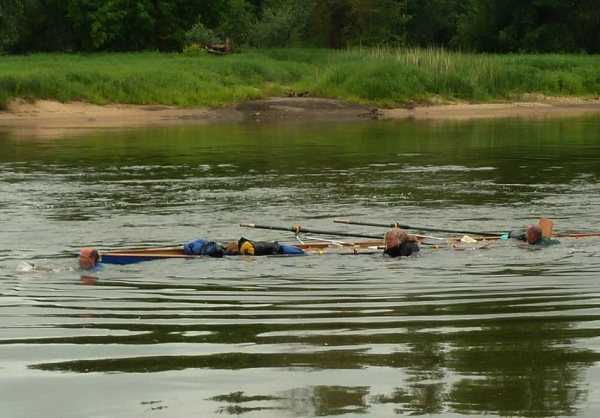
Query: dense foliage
(534, 26)
(383, 77)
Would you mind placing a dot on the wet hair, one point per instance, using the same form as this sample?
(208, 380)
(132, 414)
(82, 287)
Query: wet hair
(232, 249)
(95, 255)
(400, 235)
(535, 230)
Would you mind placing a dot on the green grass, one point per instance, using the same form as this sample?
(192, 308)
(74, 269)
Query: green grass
(382, 77)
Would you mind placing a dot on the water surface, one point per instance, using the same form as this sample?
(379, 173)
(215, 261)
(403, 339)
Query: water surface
(509, 330)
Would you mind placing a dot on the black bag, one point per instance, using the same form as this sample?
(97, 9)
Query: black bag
(520, 235)
(248, 247)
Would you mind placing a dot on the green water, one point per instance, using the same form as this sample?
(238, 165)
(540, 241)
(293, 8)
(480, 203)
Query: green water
(510, 330)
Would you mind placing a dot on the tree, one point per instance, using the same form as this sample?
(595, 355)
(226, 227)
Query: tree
(339, 23)
(113, 25)
(518, 26)
(44, 27)
(586, 19)
(210, 12)
(282, 23)
(239, 22)
(11, 12)
(433, 22)
(173, 18)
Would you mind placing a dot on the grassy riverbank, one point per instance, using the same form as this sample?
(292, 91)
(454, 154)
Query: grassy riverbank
(381, 77)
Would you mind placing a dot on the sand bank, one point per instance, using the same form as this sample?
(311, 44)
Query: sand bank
(46, 115)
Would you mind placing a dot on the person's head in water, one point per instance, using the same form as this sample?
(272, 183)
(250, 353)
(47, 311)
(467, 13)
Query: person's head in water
(533, 233)
(232, 249)
(88, 257)
(395, 237)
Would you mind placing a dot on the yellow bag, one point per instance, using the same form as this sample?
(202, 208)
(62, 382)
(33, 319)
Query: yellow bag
(247, 248)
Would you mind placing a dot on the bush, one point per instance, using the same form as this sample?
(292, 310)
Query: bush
(194, 50)
(200, 34)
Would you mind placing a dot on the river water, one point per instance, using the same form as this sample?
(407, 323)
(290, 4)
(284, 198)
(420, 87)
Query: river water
(509, 330)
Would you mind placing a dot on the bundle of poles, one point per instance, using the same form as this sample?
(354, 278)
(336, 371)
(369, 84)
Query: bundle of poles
(546, 224)
(302, 230)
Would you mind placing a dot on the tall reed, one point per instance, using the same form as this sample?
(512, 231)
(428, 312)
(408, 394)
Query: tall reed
(379, 76)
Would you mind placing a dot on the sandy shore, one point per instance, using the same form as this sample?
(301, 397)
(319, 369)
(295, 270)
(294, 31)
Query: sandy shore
(48, 116)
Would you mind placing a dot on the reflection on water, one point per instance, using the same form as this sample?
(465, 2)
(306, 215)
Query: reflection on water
(506, 330)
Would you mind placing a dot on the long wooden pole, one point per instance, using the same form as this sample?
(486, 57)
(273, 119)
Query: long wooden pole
(297, 230)
(419, 228)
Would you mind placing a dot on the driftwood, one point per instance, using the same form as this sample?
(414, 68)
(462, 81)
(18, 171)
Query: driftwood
(295, 94)
(216, 49)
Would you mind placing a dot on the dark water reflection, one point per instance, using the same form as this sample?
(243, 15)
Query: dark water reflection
(508, 330)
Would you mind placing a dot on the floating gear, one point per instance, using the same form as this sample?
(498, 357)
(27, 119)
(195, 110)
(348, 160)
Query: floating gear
(248, 247)
(200, 246)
